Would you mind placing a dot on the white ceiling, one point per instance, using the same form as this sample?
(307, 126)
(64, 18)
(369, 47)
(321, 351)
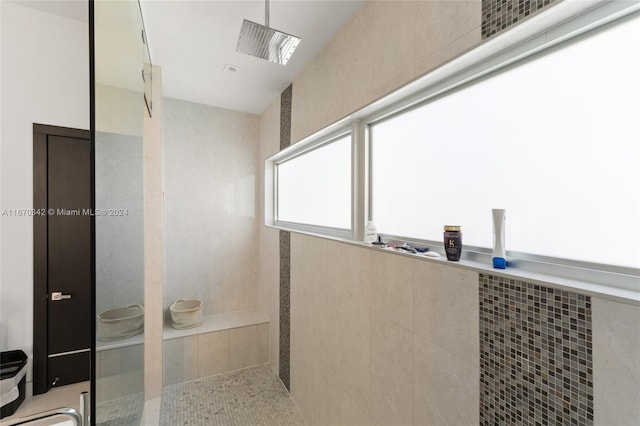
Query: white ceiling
(193, 40)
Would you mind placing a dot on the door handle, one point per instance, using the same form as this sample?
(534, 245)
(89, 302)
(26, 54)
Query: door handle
(57, 295)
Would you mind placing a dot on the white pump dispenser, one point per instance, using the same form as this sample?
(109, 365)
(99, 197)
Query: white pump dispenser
(499, 252)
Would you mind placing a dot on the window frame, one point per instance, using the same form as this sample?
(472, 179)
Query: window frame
(317, 141)
(520, 259)
(564, 22)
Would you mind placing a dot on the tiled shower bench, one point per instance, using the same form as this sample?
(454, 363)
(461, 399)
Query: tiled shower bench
(223, 342)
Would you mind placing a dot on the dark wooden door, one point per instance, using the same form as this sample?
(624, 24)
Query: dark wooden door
(63, 257)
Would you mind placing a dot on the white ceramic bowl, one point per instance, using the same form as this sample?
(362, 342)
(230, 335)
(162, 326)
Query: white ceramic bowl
(186, 313)
(120, 323)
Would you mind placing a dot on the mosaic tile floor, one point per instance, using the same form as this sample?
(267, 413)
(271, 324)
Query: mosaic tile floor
(125, 411)
(250, 397)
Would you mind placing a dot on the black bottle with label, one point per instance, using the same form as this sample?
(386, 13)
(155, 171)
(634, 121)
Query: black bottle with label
(453, 242)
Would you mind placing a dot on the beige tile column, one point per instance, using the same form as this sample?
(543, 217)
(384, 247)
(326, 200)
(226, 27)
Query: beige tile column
(153, 231)
(616, 362)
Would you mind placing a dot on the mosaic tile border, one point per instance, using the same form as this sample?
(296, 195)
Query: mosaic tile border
(536, 359)
(498, 15)
(285, 305)
(285, 117)
(285, 249)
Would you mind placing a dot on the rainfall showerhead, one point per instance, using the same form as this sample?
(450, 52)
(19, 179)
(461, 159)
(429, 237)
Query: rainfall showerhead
(266, 43)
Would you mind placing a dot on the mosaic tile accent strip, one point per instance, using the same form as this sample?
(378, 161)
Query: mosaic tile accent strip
(253, 396)
(285, 306)
(286, 98)
(285, 249)
(498, 15)
(536, 364)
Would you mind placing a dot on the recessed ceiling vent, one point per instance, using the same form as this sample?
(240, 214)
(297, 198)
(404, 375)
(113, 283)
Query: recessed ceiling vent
(266, 43)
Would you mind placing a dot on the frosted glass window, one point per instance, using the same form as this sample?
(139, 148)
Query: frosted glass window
(555, 141)
(315, 188)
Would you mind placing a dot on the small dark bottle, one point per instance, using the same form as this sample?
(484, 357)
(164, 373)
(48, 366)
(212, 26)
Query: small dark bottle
(453, 242)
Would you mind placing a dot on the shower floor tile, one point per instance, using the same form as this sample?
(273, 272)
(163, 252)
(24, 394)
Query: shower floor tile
(125, 411)
(250, 397)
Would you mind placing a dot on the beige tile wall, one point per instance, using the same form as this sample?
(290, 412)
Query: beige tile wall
(268, 261)
(119, 372)
(210, 206)
(616, 363)
(379, 338)
(193, 357)
(384, 46)
(153, 228)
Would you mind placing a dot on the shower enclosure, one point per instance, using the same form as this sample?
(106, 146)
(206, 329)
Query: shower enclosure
(120, 74)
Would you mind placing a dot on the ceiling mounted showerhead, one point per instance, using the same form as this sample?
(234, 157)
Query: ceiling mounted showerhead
(266, 43)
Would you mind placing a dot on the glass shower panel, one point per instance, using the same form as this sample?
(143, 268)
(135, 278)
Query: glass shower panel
(147, 75)
(119, 127)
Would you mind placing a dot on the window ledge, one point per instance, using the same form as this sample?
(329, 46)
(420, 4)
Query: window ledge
(210, 323)
(138, 339)
(615, 286)
(622, 294)
(218, 322)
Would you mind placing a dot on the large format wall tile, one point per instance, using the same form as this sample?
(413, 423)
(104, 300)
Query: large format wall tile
(453, 323)
(210, 206)
(119, 239)
(445, 385)
(447, 368)
(119, 360)
(392, 289)
(180, 360)
(153, 242)
(207, 354)
(437, 316)
(356, 360)
(243, 347)
(268, 259)
(213, 353)
(391, 373)
(384, 46)
(616, 362)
